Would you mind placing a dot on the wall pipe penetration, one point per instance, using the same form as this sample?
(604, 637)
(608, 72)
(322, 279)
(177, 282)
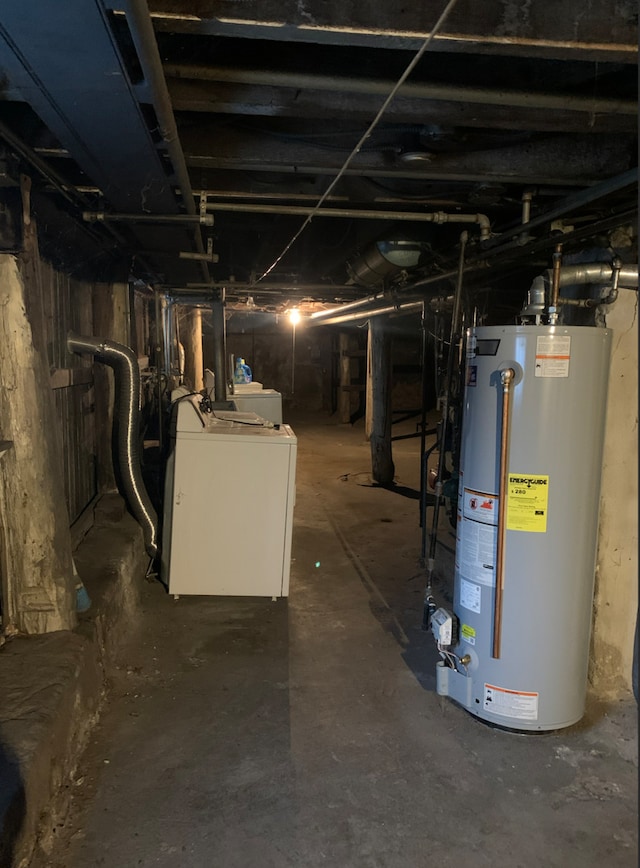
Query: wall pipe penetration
(125, 366)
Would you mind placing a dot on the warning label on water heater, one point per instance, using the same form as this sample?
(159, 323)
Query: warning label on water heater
(553, 354)
(527, 502)
(476, 538)
(480, 506)
(516, 704)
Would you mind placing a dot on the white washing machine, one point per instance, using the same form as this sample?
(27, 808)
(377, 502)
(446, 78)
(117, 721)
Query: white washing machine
(265, 402)
(229, 498)
(251, 398)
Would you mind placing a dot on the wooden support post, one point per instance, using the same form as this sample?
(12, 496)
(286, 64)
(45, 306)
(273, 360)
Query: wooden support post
(191, 335)
(344, 394)
(382, 469)
(219, 348)
(368, 407)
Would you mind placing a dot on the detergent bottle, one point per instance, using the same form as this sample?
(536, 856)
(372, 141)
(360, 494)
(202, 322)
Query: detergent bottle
(242, 373)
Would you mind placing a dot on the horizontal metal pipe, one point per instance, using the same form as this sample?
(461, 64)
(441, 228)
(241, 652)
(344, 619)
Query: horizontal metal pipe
(359, 214)
(301, 288)
(355, 316)
(118, 217)
(381, 87)
(320, 315)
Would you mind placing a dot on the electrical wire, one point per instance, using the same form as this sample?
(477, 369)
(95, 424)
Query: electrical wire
(374, 123)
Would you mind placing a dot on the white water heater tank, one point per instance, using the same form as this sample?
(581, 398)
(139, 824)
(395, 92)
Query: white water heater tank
(552, 465)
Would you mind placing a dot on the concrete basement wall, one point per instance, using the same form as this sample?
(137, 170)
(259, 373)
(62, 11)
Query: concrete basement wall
(616, 596)
(38, 593)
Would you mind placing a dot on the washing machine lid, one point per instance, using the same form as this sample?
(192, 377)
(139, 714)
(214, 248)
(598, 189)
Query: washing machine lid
(191, 421)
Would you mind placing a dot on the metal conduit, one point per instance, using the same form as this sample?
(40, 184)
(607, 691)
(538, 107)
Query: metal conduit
(144, 38)
(125, 366)
(358, 213)
(371, 299)
(320, 315)
(118, 217)
(361, 214)
(404, 308)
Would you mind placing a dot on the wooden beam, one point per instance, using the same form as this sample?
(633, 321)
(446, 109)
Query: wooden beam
(191, 337)
(264, 100)
(382, 468)
(559, 159)
(603, 30)
(344, 393)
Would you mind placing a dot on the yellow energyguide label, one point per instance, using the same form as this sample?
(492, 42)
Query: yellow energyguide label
(468, 634)
(527, 502)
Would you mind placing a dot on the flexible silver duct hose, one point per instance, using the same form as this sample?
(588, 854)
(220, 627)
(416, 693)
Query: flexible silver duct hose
(127, 374)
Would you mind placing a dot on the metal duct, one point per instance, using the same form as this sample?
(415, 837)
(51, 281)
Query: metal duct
(599, 273)
(384, 259)
(125, 366)
(594, 273)
(399, 308)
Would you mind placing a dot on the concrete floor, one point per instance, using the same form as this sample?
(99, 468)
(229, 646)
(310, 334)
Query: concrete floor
(307, 732)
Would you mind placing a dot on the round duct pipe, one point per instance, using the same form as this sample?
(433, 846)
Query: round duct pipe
(125, 366)
(385, 259)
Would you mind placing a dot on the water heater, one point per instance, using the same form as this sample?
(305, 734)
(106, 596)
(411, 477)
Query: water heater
(517, 649)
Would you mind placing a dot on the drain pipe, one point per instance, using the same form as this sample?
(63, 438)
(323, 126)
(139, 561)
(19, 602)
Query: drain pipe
(125, 366)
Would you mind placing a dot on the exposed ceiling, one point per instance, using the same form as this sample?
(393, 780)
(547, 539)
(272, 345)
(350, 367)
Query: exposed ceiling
(243, 113)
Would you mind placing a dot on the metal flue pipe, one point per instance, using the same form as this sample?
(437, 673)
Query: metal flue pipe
(599, 273)
(586, 273)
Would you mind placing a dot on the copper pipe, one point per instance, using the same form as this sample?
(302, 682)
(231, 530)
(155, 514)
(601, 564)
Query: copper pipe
(506, 378)
(555, 283)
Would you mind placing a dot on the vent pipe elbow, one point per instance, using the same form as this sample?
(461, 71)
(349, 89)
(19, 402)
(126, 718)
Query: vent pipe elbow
(127, 374)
